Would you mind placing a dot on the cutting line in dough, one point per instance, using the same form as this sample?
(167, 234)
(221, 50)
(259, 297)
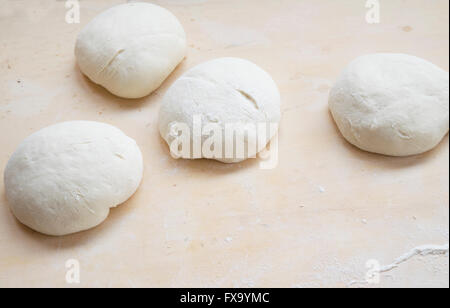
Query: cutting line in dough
(248, 97)
(111, 60)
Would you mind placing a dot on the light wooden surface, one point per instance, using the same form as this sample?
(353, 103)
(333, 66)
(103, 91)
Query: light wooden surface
(313, 221)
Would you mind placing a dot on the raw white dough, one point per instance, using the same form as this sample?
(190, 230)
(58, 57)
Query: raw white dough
(130, 49)
(65, 177)
(392, 104)
(222, 91)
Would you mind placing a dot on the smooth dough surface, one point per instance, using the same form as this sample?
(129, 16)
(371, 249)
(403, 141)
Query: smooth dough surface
(392, 104)
(130, 49)
(65, 178)
(222, 91)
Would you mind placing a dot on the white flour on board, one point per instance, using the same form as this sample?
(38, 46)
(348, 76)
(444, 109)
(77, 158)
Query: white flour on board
(425, 250)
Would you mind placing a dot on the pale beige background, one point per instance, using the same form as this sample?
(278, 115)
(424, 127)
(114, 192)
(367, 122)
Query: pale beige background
(206, 224)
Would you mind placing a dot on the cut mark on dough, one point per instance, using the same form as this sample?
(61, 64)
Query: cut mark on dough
(111, 60)
(119, 155)
(248, 97)
(402, 134)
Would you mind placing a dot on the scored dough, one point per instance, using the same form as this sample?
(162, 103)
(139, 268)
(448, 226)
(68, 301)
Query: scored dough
(65, 178)
(222, 92)
(130, 49)
(392, 104)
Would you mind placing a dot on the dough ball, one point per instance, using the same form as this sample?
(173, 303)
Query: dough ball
(221, 92)
(65, 178)
(392, 104)
(130, 49)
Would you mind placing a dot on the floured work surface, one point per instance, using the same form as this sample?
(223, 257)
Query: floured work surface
(315, 220)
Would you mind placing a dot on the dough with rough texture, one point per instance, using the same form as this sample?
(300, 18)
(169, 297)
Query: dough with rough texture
(130, 49)
(65, 177)
(222, 91)
(392, 104)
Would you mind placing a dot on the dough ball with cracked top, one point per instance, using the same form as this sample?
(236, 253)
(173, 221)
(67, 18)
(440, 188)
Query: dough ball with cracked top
(66, 177)
(392, 104)
(222, 93)
(130, 49)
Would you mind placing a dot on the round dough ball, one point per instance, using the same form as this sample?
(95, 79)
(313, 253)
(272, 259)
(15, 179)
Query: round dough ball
(65, 177)
(225, 91)
(130, 49)
(392, 104)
